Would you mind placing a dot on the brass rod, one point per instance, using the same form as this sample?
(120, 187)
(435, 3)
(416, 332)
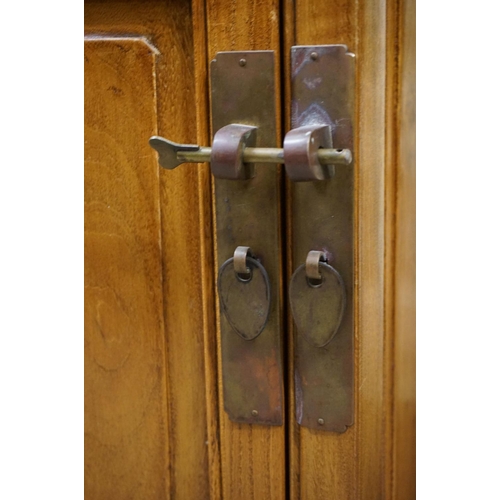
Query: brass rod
(268, 155)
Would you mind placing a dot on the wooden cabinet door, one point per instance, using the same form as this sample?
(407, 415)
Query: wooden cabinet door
(375, 458)
(155, 426)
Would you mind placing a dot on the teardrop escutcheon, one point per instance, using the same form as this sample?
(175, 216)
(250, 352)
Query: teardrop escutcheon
(317, 309)
(245, 302)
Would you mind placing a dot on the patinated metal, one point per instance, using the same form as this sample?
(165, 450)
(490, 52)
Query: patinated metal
(227, 152)
(318, 303)
(313, 259)
(167, 151)
(247, 214)
(323, 86)
(301, 148)
(245, 297)
(171, 155)
(241, 254)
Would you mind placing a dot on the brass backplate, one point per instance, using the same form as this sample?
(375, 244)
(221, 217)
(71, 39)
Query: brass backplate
(323, 87)
(243, 90)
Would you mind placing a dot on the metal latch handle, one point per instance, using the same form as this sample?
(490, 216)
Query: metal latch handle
(190, 153)
(303, 159)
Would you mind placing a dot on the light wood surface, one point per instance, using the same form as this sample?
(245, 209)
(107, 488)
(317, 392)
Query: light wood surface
(125, 380)
(183, 238)
(400, 251)
(252, 456)
(201, 78)
(404, 480)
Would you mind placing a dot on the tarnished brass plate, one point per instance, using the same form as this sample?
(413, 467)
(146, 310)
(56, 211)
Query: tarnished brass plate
(243, 91)
(323, 86)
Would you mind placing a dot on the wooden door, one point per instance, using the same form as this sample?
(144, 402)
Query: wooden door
(154, 420)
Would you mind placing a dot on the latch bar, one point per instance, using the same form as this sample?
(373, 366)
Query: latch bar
(191, 153)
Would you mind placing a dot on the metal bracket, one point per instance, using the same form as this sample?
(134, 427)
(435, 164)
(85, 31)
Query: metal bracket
(227, 152)
(322, 290)
(248, 213)
(301, 148)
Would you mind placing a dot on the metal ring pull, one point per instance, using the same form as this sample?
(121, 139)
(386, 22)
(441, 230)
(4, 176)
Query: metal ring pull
(240, 263)
(317, 299)
(313, 274)
(244, 293)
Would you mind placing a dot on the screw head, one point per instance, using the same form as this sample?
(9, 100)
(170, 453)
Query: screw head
(314, 56)
(321, 421)
(254, 413)
(242, 62)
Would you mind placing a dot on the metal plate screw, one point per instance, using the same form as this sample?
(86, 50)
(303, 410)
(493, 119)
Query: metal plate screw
(321, 421)
(255, 413)
(314, 56)
(243, 62)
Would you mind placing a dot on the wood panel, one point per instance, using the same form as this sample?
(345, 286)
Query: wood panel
(319, 462)
(253, 456)
(125, 383)
(201, 78)
(155, 427)
(404, 482)
(371, 75)
(400, 250)
(185, 241)
(391, 135)
(358, 463)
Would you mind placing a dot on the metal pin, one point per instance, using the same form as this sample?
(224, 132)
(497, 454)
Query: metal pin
(314, 56)
(243, 62)
(321, 421)
(255, 413)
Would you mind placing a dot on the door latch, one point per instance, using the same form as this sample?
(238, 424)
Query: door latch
(248, 218)
(307, 153)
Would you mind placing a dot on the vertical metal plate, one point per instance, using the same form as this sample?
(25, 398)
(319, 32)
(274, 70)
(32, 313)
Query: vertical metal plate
(323, 86)
(247, 214)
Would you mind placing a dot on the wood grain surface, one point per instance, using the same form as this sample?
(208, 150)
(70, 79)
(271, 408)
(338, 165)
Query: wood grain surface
(404, 460)
(125, 382)
(154, 420)
(400, 251)
(183, 237)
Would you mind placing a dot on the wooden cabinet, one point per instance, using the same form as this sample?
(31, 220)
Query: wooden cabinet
(155, 426)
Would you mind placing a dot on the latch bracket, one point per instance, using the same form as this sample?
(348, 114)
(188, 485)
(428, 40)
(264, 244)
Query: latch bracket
(322, 220)
(243, 90)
